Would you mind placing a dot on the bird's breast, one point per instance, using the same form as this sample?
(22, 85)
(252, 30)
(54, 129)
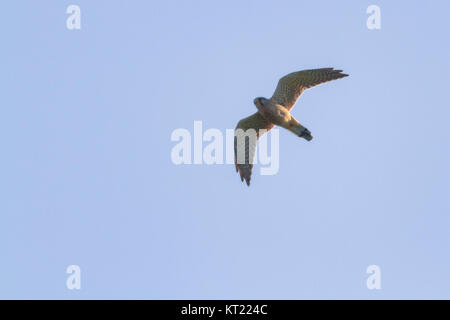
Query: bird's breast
(268, 111)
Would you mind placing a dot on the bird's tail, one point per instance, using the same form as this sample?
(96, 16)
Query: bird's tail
(302, 132)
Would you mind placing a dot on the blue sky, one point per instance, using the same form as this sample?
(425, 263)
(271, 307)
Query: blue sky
(87, 178)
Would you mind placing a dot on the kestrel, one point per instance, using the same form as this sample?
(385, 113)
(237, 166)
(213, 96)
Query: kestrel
(275, 111)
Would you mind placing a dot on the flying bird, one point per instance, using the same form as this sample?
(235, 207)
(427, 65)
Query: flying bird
(276, 111)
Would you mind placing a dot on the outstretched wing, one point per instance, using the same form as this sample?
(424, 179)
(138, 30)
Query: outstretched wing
(291, 86)
(245, 145)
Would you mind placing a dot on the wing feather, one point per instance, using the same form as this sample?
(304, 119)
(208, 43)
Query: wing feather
(244, 162)
(291, 86)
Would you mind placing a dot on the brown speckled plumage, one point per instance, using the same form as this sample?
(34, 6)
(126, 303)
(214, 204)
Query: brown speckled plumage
(276, 111)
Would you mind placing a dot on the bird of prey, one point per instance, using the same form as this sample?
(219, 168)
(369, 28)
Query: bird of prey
(275, 111)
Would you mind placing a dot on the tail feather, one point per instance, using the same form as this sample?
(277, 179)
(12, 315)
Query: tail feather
(302, 132)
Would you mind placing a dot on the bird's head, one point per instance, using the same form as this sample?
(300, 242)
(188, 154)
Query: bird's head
(260, 102)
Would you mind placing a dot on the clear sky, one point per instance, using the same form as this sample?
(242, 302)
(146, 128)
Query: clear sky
(87, 178)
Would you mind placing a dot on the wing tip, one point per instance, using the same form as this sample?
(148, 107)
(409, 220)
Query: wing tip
(338, 74)
(244, 176)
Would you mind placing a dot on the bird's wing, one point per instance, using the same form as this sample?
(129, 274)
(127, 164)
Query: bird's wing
(291, 86)
(245, 146)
